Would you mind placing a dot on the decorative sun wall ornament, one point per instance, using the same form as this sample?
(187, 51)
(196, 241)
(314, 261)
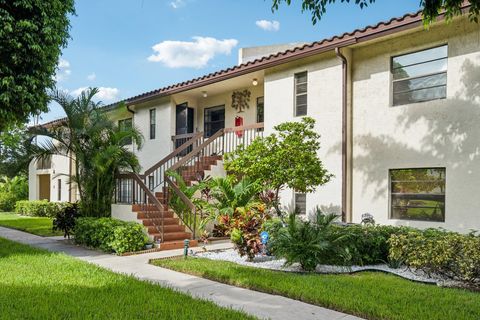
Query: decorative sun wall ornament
(240, 100)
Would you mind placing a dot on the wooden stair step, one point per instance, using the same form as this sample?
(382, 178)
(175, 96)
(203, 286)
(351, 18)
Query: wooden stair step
(171, 245)
(155, 215)
(158, 222)
(171, 236)
(168, 228)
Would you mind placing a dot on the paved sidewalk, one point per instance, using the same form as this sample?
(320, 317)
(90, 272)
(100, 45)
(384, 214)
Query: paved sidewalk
(259, 304)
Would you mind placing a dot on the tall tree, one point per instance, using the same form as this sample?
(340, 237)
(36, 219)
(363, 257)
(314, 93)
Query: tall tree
(14, 151)
(95, 144)
(431, 8)
(32, 34)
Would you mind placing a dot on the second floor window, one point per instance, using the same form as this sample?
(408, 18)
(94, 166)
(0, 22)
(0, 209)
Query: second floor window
(152, 123)
(301, 94)
(125, 125)
(420, 76)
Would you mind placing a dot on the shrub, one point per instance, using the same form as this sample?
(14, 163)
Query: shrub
(364, 244)
(448, 254)
(11, 191)
(244, 229)
(308, 242)
(39, 208)
(129, 238)
(65, 219)
(110, 235)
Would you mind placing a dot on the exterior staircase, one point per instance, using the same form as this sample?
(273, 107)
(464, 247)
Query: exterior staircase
(156, 221)
(189, 160)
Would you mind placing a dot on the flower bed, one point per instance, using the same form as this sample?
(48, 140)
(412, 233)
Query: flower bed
(272, 263)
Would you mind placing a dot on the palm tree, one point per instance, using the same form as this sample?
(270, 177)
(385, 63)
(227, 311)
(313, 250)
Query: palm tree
(94, 143)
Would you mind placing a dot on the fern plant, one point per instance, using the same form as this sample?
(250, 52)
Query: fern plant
(308, 243)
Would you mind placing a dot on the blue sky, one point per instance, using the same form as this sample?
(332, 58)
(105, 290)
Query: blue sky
(113, 41)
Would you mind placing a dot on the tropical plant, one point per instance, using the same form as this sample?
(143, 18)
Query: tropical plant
(244, 230)
(11, 191)
(308, 243)
(286, 158)
(65, 219)
(32, 35)
(95, 144)
(227, 194)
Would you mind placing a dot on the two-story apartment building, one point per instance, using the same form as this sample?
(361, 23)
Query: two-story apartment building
(396, 106)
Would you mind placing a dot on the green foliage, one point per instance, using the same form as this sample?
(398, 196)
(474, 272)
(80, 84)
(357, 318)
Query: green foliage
(14, 151)
(368, 295)
(37, 284)
(39, 208)
(11, 191)
(431, 9)
(286, 158)
(97, 146)
(449, 254)
(227, 194)
(244, 228)
(365, 244)
(65, 219)
(308, 243)
(32, 34)
(110, 235)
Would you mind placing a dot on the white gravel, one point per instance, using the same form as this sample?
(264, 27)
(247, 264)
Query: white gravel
(268, 262)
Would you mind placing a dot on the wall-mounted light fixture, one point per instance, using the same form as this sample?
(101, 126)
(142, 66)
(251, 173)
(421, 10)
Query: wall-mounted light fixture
(255, 81)
(204, 94)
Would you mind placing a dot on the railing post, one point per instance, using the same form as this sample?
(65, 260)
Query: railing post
(194, 221)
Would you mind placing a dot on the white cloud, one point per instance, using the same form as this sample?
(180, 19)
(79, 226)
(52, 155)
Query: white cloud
(194, 54)
(92, 77)
(177, 4)
(104, 93)
(268, 25)
(63, 70)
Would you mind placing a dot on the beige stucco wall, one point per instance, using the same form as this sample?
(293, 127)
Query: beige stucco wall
(441, 133)
(153, 150)
(59, 170)
(249, 115)
(324, 105)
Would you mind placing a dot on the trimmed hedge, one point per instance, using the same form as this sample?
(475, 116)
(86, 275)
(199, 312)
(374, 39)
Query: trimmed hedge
(110, 235)
(449, 254)
(39, 208)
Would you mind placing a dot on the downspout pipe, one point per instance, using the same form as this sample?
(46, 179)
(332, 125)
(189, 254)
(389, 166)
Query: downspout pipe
(129, 110)
(344, 132)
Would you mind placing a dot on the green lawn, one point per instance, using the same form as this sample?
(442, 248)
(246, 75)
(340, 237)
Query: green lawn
(36, 225)
(37, 284)
(372, 295)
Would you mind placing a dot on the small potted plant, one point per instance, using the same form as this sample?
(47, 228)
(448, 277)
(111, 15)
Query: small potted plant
(149, 245)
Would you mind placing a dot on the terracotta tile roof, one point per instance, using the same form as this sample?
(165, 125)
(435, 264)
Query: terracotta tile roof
(384, 28)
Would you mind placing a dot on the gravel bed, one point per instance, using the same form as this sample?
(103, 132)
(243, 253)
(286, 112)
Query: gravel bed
(269, 262)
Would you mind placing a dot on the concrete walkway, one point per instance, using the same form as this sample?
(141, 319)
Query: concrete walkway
(259, 304)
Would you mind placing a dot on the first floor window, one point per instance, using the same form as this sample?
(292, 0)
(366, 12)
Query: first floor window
(125, 125)
(59, 186)
(214, 120)
(301, 203)
(418, 194)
